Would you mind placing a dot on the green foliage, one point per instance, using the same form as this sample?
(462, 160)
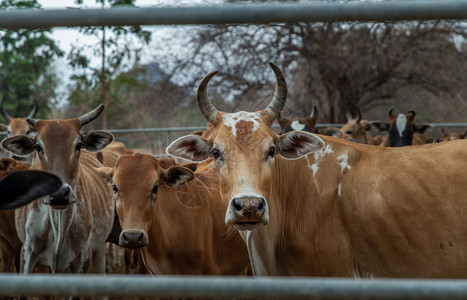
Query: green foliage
(26, 57)
(118, 51)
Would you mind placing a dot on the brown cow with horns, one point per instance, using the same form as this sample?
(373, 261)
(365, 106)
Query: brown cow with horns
(68, 228)
(311, 205)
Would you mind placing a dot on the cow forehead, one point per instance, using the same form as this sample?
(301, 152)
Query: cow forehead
(243, 131)
(242, 122)
(401, 123)
(139, 168)
(58, 130)
(18, 125)
(296, 125)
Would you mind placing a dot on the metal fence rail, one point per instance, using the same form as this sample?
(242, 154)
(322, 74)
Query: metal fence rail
(229, 287)
(237, 14)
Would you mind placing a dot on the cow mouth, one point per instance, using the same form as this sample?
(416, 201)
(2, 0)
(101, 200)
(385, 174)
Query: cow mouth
(246, 225)
(58, 202)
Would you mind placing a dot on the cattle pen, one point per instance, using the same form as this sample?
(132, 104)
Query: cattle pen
(233, 287)
(157, 139)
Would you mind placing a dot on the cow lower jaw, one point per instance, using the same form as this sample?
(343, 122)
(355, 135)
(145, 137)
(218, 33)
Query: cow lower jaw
(247, 212)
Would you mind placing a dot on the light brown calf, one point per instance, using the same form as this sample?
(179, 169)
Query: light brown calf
(175, 217)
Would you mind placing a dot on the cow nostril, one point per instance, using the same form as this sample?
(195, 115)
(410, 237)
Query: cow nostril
(238, 207)
(125, 238)
(67, 192)
(261, 206)
(140, 238)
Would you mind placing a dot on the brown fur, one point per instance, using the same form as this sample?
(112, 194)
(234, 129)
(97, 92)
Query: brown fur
(10, 244)
(184, 225)
(91, 221)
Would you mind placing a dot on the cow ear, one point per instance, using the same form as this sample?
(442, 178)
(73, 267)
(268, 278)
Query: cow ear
(176, 176)
(21, 187)
(6, 164)
(105, 172)
(3, 127)
(421, 128)
(96, 140)
(331, 131)
(21, 145)
(381, 126)
(296, 144)
(190, 147)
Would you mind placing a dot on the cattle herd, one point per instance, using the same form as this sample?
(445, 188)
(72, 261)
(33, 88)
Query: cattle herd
(236, 199)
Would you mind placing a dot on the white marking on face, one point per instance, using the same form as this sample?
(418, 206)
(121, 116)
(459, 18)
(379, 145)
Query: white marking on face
(344, 158)
(401, 123)
(231, 120)
(296, 125)
(339, 190)
(319, 155)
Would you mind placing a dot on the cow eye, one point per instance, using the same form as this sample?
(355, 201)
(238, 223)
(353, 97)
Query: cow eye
(79, 146)
(114, 187)
(154, 189)
(271, 152)
(215, 153)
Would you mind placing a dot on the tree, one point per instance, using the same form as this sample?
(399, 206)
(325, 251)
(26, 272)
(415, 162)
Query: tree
(117, 52)
(338, 66)
(26, 58)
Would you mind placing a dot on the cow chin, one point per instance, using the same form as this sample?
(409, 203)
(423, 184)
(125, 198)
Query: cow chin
(246, 226)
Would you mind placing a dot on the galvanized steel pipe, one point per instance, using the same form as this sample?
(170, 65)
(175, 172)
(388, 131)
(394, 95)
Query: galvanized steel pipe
(229, 287)
(236, 14)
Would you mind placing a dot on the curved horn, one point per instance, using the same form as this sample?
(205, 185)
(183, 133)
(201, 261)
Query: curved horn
(207, 109)
(279, 117)
(33, 112)
(412, 112)
(280, 94)
(390, 111)
(4, 113)
(86, 118)
(31, 121)
(314, 113)
(359, 114)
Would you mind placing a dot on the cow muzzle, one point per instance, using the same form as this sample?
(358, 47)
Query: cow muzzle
(133, 239)
(61, 199)
(247, 212)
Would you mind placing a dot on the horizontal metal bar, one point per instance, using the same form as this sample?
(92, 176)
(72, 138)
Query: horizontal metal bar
(229, 287)
(237, 14)
(195, 128)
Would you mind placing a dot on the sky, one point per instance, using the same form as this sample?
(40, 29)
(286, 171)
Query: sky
(66, 37)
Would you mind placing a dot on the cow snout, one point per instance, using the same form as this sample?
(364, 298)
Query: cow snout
(246, 212)
(62, 198)
(133, 239)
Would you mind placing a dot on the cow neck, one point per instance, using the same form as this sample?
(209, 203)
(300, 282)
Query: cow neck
(303, 208)
(174, 230)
